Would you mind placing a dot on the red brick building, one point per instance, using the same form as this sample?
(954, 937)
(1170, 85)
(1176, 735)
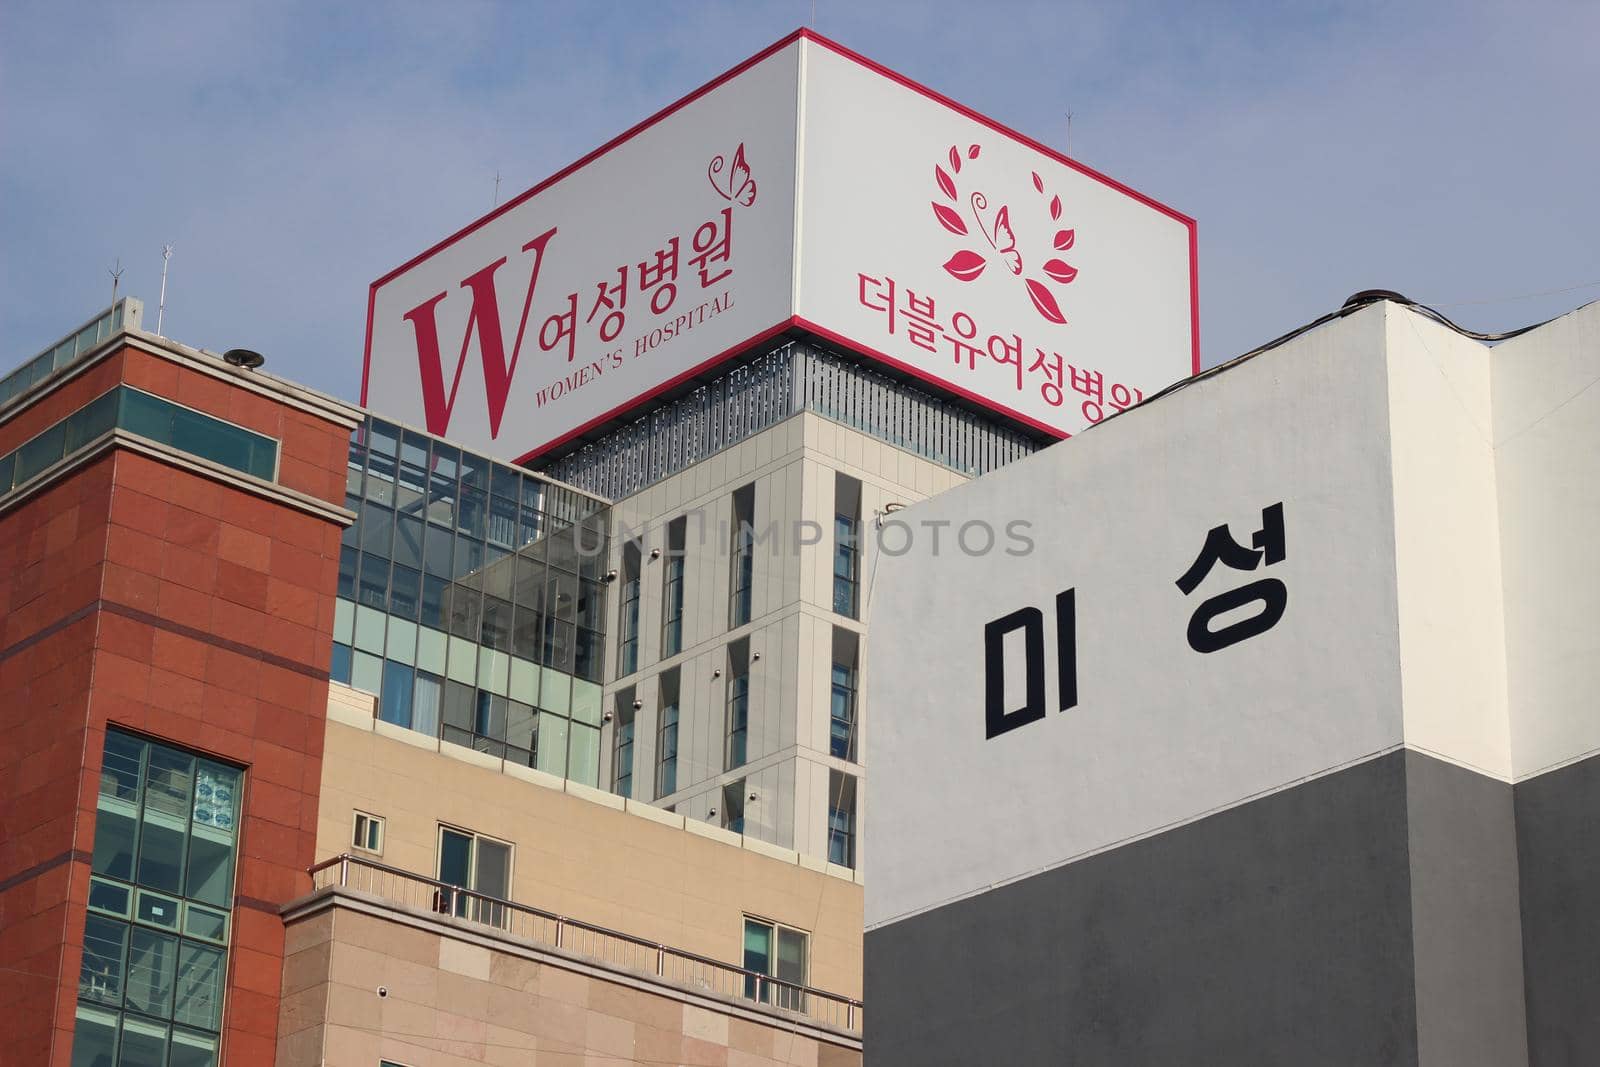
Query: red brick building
(151, 587)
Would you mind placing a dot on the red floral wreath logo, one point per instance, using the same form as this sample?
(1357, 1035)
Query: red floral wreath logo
(967, 264)
(737, 185)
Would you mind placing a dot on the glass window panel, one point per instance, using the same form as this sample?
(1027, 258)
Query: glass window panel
(374, 588)
(216, 796)
(586, 702)
(505, 482)
(95, 1038)
(192, 1050)
(402, 642)
(474, 471)
(791, 956)
(552, 755)
(161, 841)
(339, 664)
(588, 654)
(490, 719)
(431, 649)
(395, 703)
(120, 769)
(8, 470)
(493, 876)
(371, 630)
(405, 592)
(40, 452)
(199, 987)
(463, 661)
(559, 641)
(377, 529)
(583, 765)
(502, 522)
(116, 833)
(524, 681)
(527, 633)
(436, 551)
(366, 673)
(555, 691)
(460, 706)
(496, 627)
(105, 946)
(347, 572)
(425, 704)
(152, 966)
(408, 534)
(144, 1044)
(156, 910)
(757, 957)
(455, 858)
(109, 896)
(471, 513)
(520, 720)
(469, 555)
(210, 875)
(434, 591)
(344, 620)
(203, 922)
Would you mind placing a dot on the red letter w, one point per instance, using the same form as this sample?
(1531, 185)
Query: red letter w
(485, 318)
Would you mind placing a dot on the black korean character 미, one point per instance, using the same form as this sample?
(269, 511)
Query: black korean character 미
(1270, 593)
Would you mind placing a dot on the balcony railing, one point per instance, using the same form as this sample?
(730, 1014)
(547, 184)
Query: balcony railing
(608, 948)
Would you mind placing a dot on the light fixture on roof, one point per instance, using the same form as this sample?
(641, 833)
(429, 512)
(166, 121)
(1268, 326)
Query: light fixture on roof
(243, 358)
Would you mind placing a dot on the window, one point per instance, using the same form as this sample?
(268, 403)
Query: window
(667, 736)
(841, 819)
(846, 546)
(148, 416)
(842, 701)
(772, 951)
(738, 717)
(156, 932)
(622, 745)
(476, 863)
(733, 806)
(368, 835)
(672, 590)
(628, 641)
(742, 565)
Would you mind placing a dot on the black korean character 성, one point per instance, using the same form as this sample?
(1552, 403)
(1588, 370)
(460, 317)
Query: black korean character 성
(1270, 593)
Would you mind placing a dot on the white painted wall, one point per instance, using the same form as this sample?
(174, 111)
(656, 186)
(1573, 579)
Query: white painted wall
(1161, 734)
(1447, 544)
(1547, 454)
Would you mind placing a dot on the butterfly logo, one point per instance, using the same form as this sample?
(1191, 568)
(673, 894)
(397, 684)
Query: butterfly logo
(1001, 239)
(966, 264)
(739, 186)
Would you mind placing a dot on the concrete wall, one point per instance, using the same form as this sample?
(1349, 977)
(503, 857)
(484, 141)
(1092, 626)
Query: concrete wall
(793, 467)
(454, 1000)
(583, 853)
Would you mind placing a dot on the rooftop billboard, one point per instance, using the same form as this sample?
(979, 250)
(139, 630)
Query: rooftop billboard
(811, 188)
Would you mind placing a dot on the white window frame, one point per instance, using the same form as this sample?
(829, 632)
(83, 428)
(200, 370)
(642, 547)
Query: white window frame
(355, 831)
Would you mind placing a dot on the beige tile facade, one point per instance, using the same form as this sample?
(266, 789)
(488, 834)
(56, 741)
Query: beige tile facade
(580, 853)
(451, 996)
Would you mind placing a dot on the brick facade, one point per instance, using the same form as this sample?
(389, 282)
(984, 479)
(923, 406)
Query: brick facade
(140, 593)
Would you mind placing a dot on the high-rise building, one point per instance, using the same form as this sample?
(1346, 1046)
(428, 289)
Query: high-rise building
(519, 710)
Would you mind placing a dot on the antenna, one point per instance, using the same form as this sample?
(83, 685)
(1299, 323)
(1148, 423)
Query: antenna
(496, 188)
(161, 308)
(116, 279)
(1069, 132)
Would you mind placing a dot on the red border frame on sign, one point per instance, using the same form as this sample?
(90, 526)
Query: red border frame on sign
(855, 57)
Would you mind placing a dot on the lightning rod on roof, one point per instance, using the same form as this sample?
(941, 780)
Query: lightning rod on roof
(161, 307)
(116, 279)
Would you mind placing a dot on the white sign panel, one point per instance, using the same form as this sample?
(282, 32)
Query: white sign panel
(1189, 607)
(656, 256)
(944, 244)
(907, 228)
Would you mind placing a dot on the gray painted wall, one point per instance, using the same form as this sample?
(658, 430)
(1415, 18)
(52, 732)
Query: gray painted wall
(1466, 923)
(1276, 932)
(1558, 850)
(1371, 916)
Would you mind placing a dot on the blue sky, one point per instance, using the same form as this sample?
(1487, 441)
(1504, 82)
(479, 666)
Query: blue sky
(294, 152)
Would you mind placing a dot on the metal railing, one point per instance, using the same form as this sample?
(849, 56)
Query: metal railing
(609, 948)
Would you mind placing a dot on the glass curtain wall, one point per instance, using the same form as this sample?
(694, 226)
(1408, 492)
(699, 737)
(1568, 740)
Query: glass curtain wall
(472, 600)
(160, 907)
